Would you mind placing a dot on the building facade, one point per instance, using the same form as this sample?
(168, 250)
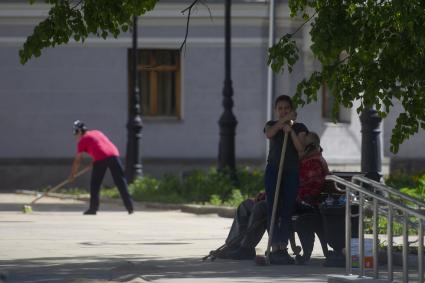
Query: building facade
(181, 93)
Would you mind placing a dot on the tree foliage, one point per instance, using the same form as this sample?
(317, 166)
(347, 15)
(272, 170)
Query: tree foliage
(372, 51)
(77, 19)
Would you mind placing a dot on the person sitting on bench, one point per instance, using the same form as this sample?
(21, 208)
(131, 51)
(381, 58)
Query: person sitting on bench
(250, 221)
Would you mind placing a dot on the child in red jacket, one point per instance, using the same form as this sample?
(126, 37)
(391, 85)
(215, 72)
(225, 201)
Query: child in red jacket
(313, 169)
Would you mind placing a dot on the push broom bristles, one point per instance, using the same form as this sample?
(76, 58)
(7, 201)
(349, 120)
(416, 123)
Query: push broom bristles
(27, 209)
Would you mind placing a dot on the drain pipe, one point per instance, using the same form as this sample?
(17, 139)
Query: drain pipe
(270, 75)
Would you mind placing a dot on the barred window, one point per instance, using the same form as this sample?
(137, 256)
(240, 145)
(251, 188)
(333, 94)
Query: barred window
(159, 82)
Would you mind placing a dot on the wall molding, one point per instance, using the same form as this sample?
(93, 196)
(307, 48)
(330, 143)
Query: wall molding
(149, 42)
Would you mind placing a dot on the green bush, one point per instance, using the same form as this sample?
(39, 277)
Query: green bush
(70, 191)
(235, 198)
(110, 192)
(151, 189)
(215, 200)
(214, 187)
(400, 180)
(417, 191)
(251, 181)
(211, 186)
(199, 185)
(412, 185)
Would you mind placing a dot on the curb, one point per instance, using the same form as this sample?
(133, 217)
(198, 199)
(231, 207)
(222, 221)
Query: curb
(356, 279)
(221, 211)
(84, 197)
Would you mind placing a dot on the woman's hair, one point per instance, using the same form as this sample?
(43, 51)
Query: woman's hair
(314, 138)
(283, 98)
(314, 142)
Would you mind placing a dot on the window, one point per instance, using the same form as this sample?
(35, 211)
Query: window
(159, 82)
(328, 101)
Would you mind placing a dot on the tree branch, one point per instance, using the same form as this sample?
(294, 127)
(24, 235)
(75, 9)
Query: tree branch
(77, 4)
(208, 8)
(302, 25)
(189, 10)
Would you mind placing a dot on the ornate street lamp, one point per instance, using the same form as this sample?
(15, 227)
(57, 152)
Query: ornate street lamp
(227, 122)
(371, 144)
(134, 124)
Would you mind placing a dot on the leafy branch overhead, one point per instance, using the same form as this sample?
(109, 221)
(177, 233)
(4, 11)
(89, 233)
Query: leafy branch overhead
(372, 51)
(77, 19)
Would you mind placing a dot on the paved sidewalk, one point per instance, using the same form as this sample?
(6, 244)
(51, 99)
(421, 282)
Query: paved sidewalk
(56, 243)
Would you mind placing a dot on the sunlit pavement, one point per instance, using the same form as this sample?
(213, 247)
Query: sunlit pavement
(56, 243)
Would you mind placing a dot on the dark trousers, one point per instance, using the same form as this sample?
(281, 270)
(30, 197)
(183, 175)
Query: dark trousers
(98, 172)
(285, 205)
(307, 222)
(249, 224)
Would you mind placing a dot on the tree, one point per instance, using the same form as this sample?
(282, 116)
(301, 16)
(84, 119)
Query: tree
(372, 51)
(77, 19)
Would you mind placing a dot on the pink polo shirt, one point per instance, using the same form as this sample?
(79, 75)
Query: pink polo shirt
(97, 145)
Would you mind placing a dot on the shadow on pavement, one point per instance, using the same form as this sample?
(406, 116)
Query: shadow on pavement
(125, 268)
(68, 207)
(44, 207)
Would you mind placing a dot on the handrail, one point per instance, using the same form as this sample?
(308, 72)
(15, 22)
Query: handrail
(377, 196)
(388, 190)
(373, 191)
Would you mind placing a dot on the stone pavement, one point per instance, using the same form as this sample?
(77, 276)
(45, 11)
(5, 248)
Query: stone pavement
(56, 243)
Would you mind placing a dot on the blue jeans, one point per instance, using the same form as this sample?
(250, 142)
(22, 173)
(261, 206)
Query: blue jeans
(97, 174)
(286, 202)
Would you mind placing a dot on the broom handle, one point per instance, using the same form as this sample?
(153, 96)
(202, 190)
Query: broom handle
(276, 196)
(58, 186)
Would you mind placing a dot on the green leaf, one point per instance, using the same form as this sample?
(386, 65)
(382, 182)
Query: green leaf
(370, 51)
(78, 20)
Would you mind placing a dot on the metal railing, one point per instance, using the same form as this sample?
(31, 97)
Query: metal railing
(385, 199)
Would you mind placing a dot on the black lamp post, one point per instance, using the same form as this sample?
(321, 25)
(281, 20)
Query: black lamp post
(371, 144)
(134, 124)
(227, 122)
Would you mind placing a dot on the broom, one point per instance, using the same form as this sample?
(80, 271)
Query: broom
(260, 260)
(28, 209)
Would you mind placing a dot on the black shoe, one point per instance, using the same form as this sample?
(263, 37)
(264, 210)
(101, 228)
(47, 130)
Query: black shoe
(224, 252)
(131, 211)
(281, 257)
(300, 259)
(243, 253)
(90, 212)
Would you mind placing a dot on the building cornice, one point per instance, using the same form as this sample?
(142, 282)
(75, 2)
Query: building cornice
(164, 14)
(149, 42)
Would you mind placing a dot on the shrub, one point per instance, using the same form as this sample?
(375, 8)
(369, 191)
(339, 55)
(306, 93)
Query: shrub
(215, 200)
(235, 198)
(152, 189)
(251, 181)
(400, 180)
(412, 185)
(214, 187)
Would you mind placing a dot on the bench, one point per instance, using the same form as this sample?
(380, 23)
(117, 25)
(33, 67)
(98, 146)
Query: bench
(327, 224)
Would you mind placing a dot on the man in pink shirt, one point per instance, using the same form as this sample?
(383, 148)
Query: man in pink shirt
(105, 155)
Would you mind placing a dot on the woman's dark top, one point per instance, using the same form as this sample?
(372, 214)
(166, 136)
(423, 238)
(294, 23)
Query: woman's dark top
(291, 156)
